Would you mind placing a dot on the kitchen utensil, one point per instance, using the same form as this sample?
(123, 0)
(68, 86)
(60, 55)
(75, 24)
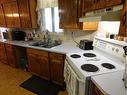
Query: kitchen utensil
(125, 72)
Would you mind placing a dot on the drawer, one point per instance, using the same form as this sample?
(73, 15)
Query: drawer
(37, 52)
(56, 56)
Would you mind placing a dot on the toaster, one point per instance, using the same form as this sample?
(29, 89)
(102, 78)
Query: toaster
(86, 44)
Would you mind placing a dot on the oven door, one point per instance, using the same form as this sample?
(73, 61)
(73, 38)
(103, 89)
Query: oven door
(74, 85)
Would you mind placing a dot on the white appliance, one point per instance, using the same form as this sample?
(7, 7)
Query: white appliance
(80, 66)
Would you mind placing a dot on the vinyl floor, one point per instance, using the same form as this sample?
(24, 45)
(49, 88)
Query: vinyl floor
(11, 78)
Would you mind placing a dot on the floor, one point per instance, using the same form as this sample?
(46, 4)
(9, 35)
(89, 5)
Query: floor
(11, 78)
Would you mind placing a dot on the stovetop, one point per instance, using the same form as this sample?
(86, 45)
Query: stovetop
(82, 62)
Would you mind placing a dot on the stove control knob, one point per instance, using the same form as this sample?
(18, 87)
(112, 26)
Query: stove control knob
(117, 50)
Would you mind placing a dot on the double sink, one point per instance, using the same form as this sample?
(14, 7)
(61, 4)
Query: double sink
(44, 44)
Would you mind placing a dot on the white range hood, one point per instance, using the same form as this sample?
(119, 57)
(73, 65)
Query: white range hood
(107, 14)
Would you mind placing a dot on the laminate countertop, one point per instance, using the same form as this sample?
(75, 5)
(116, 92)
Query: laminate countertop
(110, 83)
(66, 47)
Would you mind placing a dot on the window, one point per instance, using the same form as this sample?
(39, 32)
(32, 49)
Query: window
(51, 19)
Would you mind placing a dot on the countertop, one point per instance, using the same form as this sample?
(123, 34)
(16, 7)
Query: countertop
(110, 83)
(66, 47)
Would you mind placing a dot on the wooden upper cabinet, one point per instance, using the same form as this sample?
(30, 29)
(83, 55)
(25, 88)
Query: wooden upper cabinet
(6, 1)
(11, 15)
(123, 22)
(90, 5)
(27, 11)
(68, 14)
(113, 2)
(24, 13)
(2, 18)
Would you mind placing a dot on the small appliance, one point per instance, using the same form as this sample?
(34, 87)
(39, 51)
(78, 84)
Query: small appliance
(18, 35)
(86, 44)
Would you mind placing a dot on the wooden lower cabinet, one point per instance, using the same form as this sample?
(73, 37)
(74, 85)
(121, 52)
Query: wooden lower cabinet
(57, 67)
(3, 56)
(34, 65)
(38, 63)
(47, 65)
(10, 55)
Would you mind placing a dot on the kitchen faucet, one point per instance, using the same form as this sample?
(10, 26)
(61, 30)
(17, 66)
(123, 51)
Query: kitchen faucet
(125, 72)
(47, 37)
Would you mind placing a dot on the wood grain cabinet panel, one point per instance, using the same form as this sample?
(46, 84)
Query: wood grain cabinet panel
(6, 1)
(45, 69)
(2, 17)
(123, 22)
(68, 13)
(91, 5)
(38, 63)
(3, 57)
(113, 2)
(88, 5)
(10, 55)
(34, 65)
(11, 14)
(28, 15)
(24, 13)
(57, 67)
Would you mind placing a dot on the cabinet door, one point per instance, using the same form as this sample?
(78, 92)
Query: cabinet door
(68, 14)
(123, 22)
(98, 4)
(34, 65)
(2, 18)
(3, 57)
(88, 5)
(57, 67)
(44, 65)
(113, 2)
(11, 14)
(10, 55)
(24, 13)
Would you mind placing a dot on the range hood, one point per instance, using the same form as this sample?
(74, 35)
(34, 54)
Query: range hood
(107, 14)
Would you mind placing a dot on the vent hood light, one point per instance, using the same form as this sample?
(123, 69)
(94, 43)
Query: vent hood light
(107, 14)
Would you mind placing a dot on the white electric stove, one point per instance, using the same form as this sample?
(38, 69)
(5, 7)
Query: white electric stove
(93, 64)
(80, 66)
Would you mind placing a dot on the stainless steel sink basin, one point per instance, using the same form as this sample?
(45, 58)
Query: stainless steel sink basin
(44, 44)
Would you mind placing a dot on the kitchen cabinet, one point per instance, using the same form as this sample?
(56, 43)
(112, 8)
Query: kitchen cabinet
(57, 67)
(18, 13)
(90, 5)
(38, 63)
(123, 22)
(47, 65)
(10, 55)
(68, 13)
(3, 57)
(2, 17)
(6, 1)
(113, 2)
(11, 14)
(27, 11)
